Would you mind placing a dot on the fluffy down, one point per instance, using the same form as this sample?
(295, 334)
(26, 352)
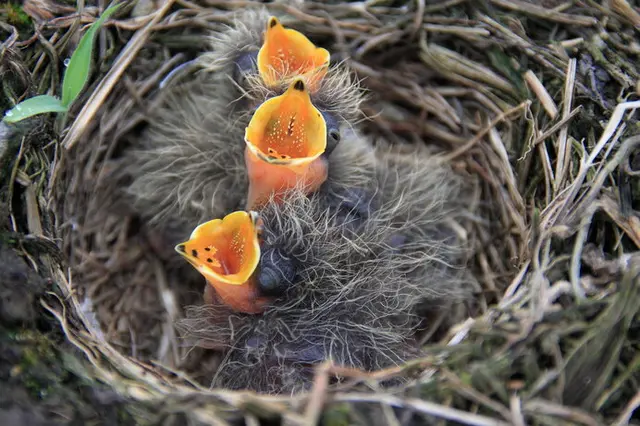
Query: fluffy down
(370, 260)
(188, 165)
(371, 251)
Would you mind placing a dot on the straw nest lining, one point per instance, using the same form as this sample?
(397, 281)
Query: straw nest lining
(139, 318)
(514, 354)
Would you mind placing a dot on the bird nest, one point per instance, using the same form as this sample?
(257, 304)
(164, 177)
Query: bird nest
(533, 104)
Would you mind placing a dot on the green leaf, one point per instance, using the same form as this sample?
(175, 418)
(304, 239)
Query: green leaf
(502, 62)
(33, 106)
(77, 72)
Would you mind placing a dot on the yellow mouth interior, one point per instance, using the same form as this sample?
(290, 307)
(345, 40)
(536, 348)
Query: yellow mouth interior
(288, 129)
(224, 250)
(287, 52)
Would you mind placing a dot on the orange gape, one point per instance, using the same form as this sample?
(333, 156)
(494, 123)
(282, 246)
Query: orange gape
(227, 252)
(286, 53)
(285, 140)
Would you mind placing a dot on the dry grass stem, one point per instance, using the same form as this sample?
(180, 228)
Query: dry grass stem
(532, 104)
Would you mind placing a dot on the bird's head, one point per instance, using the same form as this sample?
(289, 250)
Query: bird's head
(227, 253)
(285, 139)
(286, 53)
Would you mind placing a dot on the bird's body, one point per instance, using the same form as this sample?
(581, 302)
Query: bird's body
(348, 269)
(366, 268)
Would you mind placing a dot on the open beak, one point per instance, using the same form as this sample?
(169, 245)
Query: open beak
(286, 53)
(285, 140)
(227, 252)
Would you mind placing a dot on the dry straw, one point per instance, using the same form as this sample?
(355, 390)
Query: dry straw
(536, 100)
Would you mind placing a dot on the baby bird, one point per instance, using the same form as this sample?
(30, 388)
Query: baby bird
(226, 252)
(346, 281)
(198, 158)
(337, 265)
(286, 140)
(286, 53)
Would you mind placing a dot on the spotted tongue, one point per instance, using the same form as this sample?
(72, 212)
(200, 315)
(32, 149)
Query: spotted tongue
(285, 140)
(226, 252)
(286, 53)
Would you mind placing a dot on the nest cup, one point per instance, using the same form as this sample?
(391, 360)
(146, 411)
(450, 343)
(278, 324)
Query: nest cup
(117, 262)
(122, 291)
(118, 269)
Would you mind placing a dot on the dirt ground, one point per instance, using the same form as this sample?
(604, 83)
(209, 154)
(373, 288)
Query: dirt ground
(43, 378)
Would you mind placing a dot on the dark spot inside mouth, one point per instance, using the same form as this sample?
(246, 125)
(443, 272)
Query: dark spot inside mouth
(181, 248)
(299, 85)
(273, 23)
(194, 253)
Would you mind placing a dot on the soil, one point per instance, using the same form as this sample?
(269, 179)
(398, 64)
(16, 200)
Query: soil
(43, 378)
